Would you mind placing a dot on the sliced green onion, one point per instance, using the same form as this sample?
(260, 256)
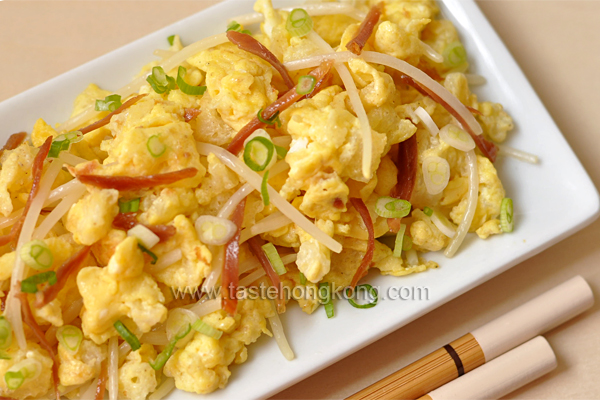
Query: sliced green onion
(73, 137)
(171, 40)
(271, 121)
(164, 355)
(325, 298)
(302, 279)
(14, 379)
(110, 103)
(151, 254)
(127, 335)
(144, 235)
(370, 289)
(5, 333)
(30, 284)
(63, 142)
(234, 26)
(399, 244)
(57, 146)
(407, 244)
(258, 153)
(264, 189)
(37, 255)
(26, 369)
(299, 23)
(179, 320)
(160, 81)
(214, 230)
(70, 337)
(274, 258)
(186, 87)
(506, 215)
(389, 207)
(155, 146)
(455, 55)
(306, 84)
(206, 329)
(129, 205)
(281, 152)
(428, 211)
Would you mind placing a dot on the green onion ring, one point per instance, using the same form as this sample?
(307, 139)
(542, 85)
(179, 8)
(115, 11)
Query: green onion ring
(389, 207)
(299, 23)
(259, 147)
(370, 289)
(306, 84)
(186, 87)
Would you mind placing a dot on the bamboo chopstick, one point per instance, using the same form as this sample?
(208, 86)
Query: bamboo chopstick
(502, 375)
(533, 318)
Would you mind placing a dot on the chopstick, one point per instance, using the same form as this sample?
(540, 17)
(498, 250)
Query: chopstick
(502, 375)
(453, 360)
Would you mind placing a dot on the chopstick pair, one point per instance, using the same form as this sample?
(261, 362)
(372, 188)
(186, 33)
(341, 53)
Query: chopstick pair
(485, 344)
(502, 375)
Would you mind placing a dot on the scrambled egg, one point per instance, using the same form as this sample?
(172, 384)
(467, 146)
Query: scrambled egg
(78, 368)
(425, 235)
(15, 178)
(90, 219)
(314, 259)
(137, 379)
(162, 207)
(202, 365)
(218, 186)
(195, 263)
(120, 290)
(490, 197)
(238, 82)
(34, 388)
(41, 131)
(128, 153)
(496, 123)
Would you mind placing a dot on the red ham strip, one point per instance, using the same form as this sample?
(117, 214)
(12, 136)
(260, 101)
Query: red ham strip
(248, 43)
(231, 271)
(285, 101)
(190, 113)
(362, 270)
(102, 378)
(14, 141)
(255, 246)
(406, 162)
(62, 276)
(39, 334)
(489, 149)
(36, 173)
(474, 111)
(126, 221)
(124, 183)
(106, 120)
(366, 29)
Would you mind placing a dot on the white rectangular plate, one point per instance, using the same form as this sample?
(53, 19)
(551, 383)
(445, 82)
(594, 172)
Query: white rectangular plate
(552, 200)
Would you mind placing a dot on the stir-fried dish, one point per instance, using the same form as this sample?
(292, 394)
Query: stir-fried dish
(295, 151)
